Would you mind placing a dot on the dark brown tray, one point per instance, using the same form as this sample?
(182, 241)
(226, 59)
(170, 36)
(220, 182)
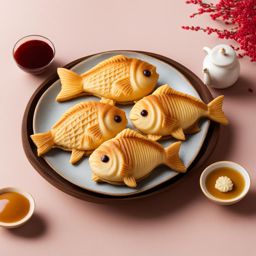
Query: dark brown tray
(56, 180)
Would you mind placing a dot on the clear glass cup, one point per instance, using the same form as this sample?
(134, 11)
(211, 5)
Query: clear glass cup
(24, 41)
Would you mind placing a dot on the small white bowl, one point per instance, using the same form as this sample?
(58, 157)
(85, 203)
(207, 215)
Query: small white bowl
(29, 214)
(227, 164)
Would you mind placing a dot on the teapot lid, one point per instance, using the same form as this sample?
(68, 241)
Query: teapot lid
(222, 55)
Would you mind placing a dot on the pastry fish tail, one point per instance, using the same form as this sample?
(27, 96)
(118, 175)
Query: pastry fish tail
(215, 111)
(71, 84)
(43, 141)
(172, 158)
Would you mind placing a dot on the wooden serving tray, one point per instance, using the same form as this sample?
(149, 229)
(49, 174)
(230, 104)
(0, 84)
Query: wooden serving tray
(56, 180)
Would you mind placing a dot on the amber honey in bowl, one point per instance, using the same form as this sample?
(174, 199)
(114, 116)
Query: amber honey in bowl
(13, 207)
(236, 178)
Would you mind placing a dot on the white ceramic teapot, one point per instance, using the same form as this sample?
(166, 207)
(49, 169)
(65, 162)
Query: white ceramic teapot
(221, 67)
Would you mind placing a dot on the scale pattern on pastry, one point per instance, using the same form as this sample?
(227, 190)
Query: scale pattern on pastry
(170, 112)
(82, 129)
(130, 157)
(117, 79)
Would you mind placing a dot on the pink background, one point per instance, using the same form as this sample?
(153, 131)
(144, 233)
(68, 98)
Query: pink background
(180, 221)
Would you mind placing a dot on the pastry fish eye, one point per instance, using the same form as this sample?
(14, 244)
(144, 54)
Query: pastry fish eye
(118, 119)
(144, 113)
(146, 73)
(104, 158)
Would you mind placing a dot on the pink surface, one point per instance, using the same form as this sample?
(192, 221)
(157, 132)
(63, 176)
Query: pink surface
(180, 221)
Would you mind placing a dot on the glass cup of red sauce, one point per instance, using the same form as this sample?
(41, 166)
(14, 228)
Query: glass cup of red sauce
(34, 53)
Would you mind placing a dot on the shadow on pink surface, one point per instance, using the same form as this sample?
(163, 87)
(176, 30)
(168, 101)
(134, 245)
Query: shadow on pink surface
(52, 68)
(246, 207)
(33, 229)
(242, 88)
(224, 146)
(175, 199)
(46, 74)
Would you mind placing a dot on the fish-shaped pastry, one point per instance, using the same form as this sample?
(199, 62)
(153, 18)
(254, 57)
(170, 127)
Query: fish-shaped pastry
(170, 112)
(130, 157)
(82, 129)
(117, 79)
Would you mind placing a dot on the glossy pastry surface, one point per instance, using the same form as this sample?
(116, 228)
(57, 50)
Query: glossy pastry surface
(117, 79)
(130, 157)
(82, 129)
(170, 112)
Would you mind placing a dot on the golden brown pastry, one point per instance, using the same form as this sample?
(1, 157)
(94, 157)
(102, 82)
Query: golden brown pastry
(170, 112)
(82, 129)
(117, 79)
(130, 157)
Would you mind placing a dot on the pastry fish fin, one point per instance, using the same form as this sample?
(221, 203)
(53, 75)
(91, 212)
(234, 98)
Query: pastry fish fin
(87, 152)
(108, 101)
(128, 133)
(163, 89)
(125, 169)
(96, 178)
(76, 155)
(167, 90)
(178, 134)
(122, 86)
(114, 59)
(43, 141)
(111, 60)
(71, 84)
(170, 122)
(193, 129)
(154, 137)
(215, 111)
(130, 181)
(95, 131)
(87, 141)
(172, 158)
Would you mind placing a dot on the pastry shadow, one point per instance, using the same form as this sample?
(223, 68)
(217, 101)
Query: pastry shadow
(36, 227)
(173, 199)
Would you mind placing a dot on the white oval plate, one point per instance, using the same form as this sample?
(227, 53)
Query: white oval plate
(48, 111)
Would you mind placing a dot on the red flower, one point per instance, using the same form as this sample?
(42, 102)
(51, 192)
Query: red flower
(239, 16)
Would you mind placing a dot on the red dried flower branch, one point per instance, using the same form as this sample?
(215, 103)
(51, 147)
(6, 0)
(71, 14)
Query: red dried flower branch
(240, 18)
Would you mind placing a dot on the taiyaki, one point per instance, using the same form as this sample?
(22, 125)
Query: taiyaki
(82, 129)
(130, 157)
(170, 112)
(118, 79)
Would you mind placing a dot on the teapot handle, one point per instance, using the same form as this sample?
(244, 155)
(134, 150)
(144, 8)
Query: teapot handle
(207, 50)
(206, 77)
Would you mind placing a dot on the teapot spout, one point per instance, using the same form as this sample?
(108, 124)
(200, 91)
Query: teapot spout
(207, 49)
(206, 77)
